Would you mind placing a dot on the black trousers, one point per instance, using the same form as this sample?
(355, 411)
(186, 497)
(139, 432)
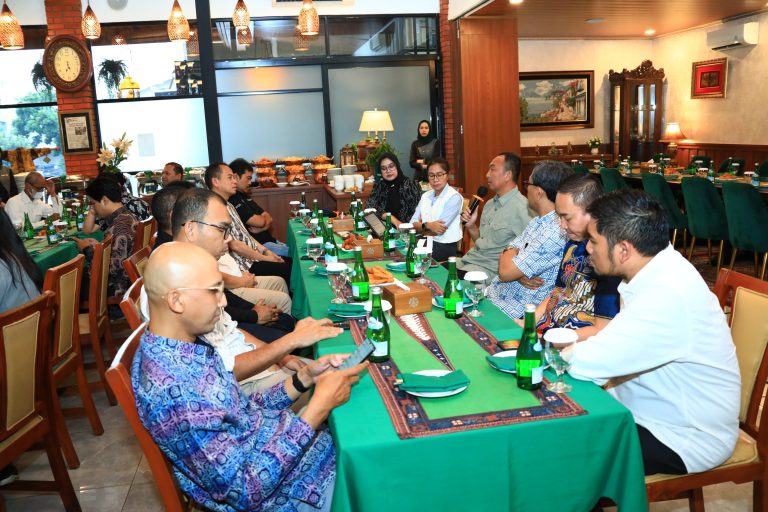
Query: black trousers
(273, 268)
(658, 457)
(441, 252)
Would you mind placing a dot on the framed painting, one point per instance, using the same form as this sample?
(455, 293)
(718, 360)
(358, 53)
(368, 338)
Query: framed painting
(557, 100)
(77, 134)
(708, 78)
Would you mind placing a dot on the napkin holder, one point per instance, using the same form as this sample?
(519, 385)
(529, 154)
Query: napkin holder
(417, 300)
(373, 250)
(345, 224)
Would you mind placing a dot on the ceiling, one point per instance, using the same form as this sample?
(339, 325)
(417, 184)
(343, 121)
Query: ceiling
(554, 19)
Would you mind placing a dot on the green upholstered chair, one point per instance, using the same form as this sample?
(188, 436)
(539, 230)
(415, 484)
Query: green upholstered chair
(580, 169)
(612, 179)
(762, 171)
(658, 156)
(706, 215)
(740, 161)
(657, 186)
(702, 160)
(747, 221)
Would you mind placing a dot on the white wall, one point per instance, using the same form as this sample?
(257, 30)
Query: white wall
(577, 55)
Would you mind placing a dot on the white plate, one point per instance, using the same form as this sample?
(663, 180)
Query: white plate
(385, 305)
(436, 394)
(506, 353)
(299, 183)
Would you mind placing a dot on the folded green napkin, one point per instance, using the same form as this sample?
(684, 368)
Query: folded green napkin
(347, 309)
(439, 301)
(396, 266)
(502, 363)
(321, 271)
(427, 384)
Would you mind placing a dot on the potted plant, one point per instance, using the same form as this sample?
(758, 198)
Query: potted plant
(594, 145)
(112, 72)
(40, 81)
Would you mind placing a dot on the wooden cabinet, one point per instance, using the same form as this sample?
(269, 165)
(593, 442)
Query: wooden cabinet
(636, 108)
(276, 202)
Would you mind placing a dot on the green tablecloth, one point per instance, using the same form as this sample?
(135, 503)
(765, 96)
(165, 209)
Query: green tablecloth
(51, 256)
(564, 464)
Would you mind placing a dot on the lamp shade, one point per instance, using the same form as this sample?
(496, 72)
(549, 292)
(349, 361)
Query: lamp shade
(672, 133)
(376, 121)
(118, 39)
(90, 24)
(193, 44)
(309, 20)
(178, 26)
(244, 36)
(11, 35)
(240, 17)
(300, 42)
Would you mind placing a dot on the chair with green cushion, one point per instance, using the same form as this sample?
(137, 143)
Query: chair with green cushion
(740, 161)
(701, 161)
(580, 169)
(762, 171)
(657, 186)
(706, 215)
(658, 156)
(612, 180)
(747, 221)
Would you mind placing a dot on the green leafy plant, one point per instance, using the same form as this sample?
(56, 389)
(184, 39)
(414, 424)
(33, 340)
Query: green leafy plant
(112, 72)
(40, 81)
(594, 142)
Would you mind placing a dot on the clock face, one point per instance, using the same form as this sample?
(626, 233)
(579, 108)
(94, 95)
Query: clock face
(67, 64)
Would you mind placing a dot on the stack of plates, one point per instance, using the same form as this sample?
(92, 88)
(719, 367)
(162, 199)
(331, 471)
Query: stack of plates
(349, 170)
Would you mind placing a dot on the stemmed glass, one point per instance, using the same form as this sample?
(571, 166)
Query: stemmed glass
(474, 287)
(337, 278)
(314, 250)
(405, 229)
(558, 350)
(422, 261)
(305, 217)
(314, 226)
(294, 207)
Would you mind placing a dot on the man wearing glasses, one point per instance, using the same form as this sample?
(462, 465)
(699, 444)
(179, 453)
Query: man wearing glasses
(31, 200)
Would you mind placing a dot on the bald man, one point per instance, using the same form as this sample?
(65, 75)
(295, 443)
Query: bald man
(31, 200)
(229, 451)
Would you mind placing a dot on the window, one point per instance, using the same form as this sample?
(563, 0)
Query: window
(271, 39)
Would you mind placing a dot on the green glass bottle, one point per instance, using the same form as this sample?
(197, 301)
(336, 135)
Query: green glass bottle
(410, 261)
(711, 172)
(353, 205)
(453, 294)
(29, 231)
(65, 216)
(730, 169)
(360, 224)
(80, 218)
(529, 363)
(359, 279)
(50, 231)
(378, 329)
(331, 249)
(303, 202)
(315, 209)
(390, 242)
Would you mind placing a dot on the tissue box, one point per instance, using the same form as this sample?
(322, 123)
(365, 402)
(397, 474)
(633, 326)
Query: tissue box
(345, 224)
(373, 250)
(417, 300)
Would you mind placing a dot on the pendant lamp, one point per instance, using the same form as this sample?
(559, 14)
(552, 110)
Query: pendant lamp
(11, 35)
(309, 21)
(178, 26)
(118, 39)
(244, 36)
(193, 45)
(90, 25)
(240, 17)
(300, 42)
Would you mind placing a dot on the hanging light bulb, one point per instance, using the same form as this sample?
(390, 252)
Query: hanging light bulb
(90, 25)
(193, 45)
(300, 42)
(11, 35)
(240, 17)
(118, 39)
(309, 21)
(244, 36)
(178, 26)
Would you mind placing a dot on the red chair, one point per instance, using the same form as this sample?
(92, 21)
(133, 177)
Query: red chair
(134, 264)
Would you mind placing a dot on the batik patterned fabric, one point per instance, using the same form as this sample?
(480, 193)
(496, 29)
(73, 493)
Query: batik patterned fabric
(240, 232)
(579, 295)
(122, 226)
(230, 452)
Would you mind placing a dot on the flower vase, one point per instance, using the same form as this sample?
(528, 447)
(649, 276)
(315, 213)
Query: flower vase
(594, 151)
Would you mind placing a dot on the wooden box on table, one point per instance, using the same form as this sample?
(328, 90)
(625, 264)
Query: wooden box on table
(373, 250)
(404, 302)
(345, 224)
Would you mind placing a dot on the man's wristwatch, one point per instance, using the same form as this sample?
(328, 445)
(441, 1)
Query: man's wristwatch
(298, 385)
(424, 227)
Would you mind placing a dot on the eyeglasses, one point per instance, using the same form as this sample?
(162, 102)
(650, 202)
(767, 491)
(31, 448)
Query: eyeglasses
(529, 184)
(217, 290)
(436, 176)
(225, 230)
(390, 167)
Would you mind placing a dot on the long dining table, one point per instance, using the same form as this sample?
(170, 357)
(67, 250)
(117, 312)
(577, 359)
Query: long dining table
(563, 463)
(50, 255)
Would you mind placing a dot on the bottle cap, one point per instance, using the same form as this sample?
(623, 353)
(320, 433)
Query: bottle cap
(358, 248)
(412, 231)
(452, 259)
(530, 308)
(376, 290)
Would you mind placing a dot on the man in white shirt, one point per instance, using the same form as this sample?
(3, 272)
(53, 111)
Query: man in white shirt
(30, 200)
(668, 355)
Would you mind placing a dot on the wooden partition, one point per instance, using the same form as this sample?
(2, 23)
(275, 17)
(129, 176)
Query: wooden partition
(721, 152)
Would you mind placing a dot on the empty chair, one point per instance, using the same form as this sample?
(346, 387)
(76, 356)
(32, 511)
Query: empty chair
(706, 215)
(24, 402)
(134, 264)
(729, 280)
(762, 171)
(657, 186)
(131, 306)
(66, 356)
(739, 170)
(119, 377)
(580, 169)
(749, 328)
(612, 179)
(747, 221)
(701, 161)
(658, 157)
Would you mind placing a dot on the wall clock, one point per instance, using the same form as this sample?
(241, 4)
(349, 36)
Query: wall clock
(67, 63)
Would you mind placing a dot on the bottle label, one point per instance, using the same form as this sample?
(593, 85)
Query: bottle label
(375, 324)
(460, 307)
(331, 259)
(537, 346)
(537, 374)
(391, 244)
(380, 349)
(355, 290)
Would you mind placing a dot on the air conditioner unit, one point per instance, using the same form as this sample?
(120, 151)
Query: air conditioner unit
(733, 36)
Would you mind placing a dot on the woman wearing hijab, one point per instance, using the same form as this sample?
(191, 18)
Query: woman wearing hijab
(423, 150)
(395, 192)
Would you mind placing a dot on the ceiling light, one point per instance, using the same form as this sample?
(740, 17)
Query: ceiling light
(193, 44)
(595, 20)
(178, 26)
(90, 24)
(300, 42)
(118, 39)
(515, 2)
(240, 17)
(244, 36)
(11, 35)
(309, 21)
(649, 32)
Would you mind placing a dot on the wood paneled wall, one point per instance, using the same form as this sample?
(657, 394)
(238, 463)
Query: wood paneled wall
(721, 152)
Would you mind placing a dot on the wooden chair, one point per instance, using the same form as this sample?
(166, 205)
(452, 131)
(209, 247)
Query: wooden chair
(131, 306)
(729, 280)
(94, 325)
(24, 404)
(66, 354)
(119, 377)
(134, 264)
(144, 230)
(749, 328)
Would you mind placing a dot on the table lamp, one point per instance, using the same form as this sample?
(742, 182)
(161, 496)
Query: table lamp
(672, 134)
(376, 121)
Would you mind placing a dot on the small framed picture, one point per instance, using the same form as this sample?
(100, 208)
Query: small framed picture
(708, 78)
(77, 132)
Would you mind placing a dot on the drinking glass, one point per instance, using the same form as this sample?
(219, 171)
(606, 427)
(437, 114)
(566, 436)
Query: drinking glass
(19, 230)
(305, 215)
(314, 250)
(405, 229)
(314, 226)
(337, 278)
(422, 259)
(558, 350)
(474, 288)
(294, 207)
